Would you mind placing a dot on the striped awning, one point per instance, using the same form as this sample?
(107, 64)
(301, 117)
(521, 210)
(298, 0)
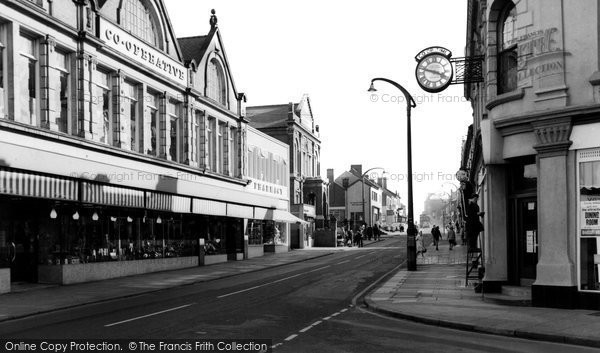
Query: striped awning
(240, 211)
(111, 195)
(260, 213)
(35, 185)
(167, 202)
(207, 207)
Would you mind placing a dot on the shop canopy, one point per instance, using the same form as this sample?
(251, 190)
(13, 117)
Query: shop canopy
(283, 216)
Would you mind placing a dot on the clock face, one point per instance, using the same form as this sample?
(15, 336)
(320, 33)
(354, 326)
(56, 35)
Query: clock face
(434, 73)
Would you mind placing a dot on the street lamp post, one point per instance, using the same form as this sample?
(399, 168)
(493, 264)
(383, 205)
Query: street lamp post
(362, 177)
(411, 246)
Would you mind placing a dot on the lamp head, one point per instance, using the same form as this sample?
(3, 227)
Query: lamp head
(372, 88)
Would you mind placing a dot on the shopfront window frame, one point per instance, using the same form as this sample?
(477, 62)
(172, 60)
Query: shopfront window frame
(3, 73)
(175, 117)
(105, 119)
(585, 156)
(152, 102)
(33, 59)
(507, 59)
(63, 116)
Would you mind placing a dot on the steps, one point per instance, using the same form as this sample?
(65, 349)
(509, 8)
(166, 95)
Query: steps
(511, 295)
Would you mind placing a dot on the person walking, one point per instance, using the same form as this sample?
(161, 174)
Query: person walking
(435, 232)
(451, 237)
(420, 247)
(361, 236)
(369, 233)
(376, 232)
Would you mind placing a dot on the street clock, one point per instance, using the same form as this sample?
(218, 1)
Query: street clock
(434, 70)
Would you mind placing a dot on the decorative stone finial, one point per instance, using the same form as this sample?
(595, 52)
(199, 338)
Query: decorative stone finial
(213, 19)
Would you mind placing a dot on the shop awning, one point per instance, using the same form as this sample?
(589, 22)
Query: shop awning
(35, 185)
(240, 211)
(111, 195)
(283, 216)
(208, 207)
(167, 202)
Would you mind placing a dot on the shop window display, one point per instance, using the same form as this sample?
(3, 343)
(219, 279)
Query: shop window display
(589, 224)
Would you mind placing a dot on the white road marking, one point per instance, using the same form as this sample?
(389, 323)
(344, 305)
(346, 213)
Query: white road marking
(343, 310)
(316, 323)
(361, 256)
(371, 253)
(334, 315)
(277, 345)
(291, 338)
(306, 329)
(327, 318)
(262, 285)
(343, 262)
(153, 314)
(319, 269)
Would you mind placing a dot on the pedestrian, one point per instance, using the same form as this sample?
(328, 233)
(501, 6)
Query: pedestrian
(473, 225)
(361, 236)
(451, 237)
(376, 232)
(349, 236)
(420, 247)
(435, 232)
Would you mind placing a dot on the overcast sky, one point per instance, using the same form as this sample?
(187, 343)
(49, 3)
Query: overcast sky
(279, 50)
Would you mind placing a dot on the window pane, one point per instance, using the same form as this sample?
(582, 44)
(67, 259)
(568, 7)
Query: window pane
(62, 119)
(101, 101)
(173, 139)
(509, 28)
(134, 125)
(153, 132)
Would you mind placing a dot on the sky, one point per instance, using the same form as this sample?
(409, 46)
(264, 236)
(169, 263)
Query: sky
(280, 50)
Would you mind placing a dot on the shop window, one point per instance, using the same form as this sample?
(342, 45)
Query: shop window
(254, 231)
(175, 128)
(589, 223)
(211, 143)
(59, 96)
(233, 152)
(130, 102)
(507, 50)
(151, 142)
(3, 84)
(27, 75)
(222, 141)
(138, 18)
(101, 106)
(216, 87)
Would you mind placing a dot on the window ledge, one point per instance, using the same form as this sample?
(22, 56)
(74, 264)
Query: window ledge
(505, 98)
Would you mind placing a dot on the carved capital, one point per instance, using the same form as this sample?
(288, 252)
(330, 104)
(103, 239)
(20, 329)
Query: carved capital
(82, 2)
(50, 42)
(553, 136)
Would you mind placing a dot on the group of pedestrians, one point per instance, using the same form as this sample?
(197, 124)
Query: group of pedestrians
(437, 236)
(357, 236)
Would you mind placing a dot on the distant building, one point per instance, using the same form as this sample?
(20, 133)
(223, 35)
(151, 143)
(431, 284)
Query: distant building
(392, 209)
(361, 197)
(294, 124)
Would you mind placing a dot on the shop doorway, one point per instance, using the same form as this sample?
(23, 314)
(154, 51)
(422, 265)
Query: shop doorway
(524, 240)
(18, 239)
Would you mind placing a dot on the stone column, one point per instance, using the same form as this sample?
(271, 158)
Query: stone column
(495, 237)
(556, 282)
(47, 90)
(163, 130)
(82, 112)
(187, 124)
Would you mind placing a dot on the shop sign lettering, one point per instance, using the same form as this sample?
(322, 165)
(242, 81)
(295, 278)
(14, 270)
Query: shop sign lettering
(540, 54)
(142, 53)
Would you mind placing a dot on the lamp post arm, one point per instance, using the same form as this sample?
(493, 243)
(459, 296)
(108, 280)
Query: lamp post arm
(409, 99)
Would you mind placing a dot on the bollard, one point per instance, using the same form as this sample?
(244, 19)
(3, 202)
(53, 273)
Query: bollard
(201, 252)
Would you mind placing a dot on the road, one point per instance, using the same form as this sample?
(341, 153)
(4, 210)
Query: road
(302, 307)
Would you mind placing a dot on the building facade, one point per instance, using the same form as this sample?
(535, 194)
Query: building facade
(295, 125)
(393, 213)
(533, 152)
(362, 198)
(122, 148)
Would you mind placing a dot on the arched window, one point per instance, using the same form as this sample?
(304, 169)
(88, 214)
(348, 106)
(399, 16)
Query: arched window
(215, 82)
(137, 18)
(507, 49)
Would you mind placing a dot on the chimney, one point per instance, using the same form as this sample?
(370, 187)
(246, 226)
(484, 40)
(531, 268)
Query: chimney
(330, 175)
(357, 167)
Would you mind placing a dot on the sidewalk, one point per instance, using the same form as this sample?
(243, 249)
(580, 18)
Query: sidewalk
(435, 294)
(30, 299)
(26, 300)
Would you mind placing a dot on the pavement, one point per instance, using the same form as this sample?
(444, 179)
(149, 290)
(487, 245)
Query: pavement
(27, 299)
(436, 294)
